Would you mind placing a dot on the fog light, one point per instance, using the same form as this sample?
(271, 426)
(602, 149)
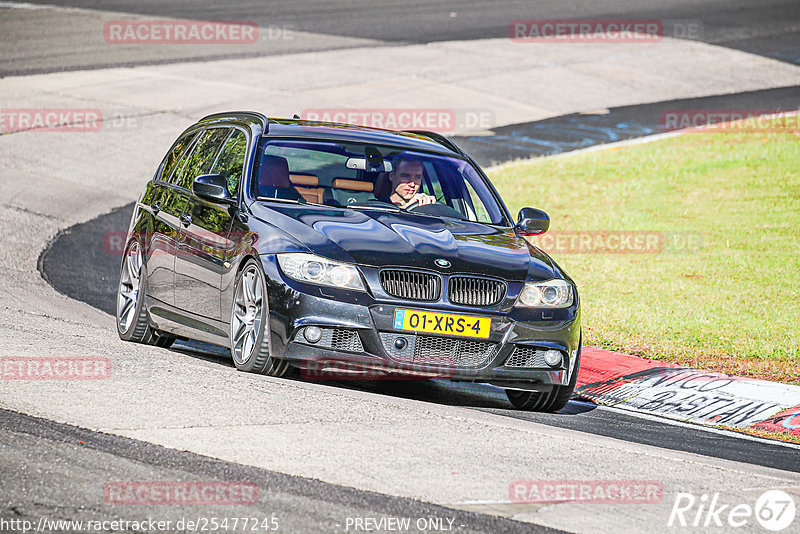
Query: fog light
(552, 358)
(400, 343)
(312, 334)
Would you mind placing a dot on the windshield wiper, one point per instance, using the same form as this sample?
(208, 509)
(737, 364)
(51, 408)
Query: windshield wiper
(379, 208)
(286, 200)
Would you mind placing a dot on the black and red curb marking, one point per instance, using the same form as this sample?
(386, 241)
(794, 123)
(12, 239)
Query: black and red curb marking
(687, 394)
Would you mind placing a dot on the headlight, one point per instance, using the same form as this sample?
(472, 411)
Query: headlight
(317, 270)
(550, 294)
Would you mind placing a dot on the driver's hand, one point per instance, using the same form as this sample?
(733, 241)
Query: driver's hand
(423, 199)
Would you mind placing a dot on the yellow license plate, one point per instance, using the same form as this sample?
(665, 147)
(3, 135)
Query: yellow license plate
(442, 323)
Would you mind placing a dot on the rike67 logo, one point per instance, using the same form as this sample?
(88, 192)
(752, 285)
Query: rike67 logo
(774, 510)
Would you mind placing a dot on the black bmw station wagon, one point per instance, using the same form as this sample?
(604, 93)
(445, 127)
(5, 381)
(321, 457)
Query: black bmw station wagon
(302, 244)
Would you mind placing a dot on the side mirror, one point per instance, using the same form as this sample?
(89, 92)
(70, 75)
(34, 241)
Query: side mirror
(212, 187)
(532, 222)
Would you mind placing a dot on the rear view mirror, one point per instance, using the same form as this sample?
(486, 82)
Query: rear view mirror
(360, 164)
(532, 222)
(212, 187)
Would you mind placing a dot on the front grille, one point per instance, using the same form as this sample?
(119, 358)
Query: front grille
(335, 338)
(412, 285)
(526, 357)
(473, 291)
(438, 351)
(342, 339)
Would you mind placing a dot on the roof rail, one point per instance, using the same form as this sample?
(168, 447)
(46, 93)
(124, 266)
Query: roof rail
(439, 138)
(246, 115)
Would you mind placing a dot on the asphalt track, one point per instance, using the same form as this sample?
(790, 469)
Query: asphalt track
(82, 263)
(583, 130)
(770, 28)
(299, 504)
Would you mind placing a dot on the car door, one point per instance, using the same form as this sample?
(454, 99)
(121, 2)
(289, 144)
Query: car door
(166, 209)
(204, 227)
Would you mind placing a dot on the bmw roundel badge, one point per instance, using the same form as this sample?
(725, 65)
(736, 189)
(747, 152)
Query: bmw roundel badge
(444, 264)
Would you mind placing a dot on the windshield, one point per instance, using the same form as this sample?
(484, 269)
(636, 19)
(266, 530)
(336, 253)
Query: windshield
(364, 176)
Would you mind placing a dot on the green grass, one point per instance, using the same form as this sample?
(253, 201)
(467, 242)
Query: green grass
(731, 304)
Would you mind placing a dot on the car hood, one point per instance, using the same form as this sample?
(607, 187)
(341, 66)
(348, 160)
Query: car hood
(380, 238)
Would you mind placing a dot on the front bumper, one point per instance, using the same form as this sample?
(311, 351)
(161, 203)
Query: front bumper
(359, 339)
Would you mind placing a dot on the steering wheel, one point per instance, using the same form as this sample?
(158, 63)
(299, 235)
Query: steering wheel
(437, 209)
(413, 206)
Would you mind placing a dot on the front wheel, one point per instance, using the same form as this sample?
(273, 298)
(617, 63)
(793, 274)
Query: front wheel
(550, 401)
(132, 323)
(249, 340)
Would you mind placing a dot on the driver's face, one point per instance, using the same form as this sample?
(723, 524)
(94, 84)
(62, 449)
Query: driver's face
(407, 179)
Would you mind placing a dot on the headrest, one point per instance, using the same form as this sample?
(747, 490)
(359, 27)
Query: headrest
(274, 172)
(383, 185)
(308, 180)
(352, 185)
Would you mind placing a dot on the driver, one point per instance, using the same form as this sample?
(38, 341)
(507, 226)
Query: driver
(406, 180)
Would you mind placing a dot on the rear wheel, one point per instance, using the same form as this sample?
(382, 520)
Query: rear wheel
(249, 340)
(549, 401)
(132, 323)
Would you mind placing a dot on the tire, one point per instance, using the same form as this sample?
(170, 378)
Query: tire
(550, 401)
(249, 340)
(132, 322)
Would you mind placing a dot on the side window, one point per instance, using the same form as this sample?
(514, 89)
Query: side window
(431, 185)
(480, 214)
(174, 155)
(202, 156)
(230, 163)
(484, 207)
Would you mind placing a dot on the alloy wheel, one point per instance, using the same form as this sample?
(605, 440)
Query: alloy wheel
(129, 286)
(246, 316)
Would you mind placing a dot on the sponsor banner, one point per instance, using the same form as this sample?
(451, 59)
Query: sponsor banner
(598, 365)
(687, 394)
(787, 421)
